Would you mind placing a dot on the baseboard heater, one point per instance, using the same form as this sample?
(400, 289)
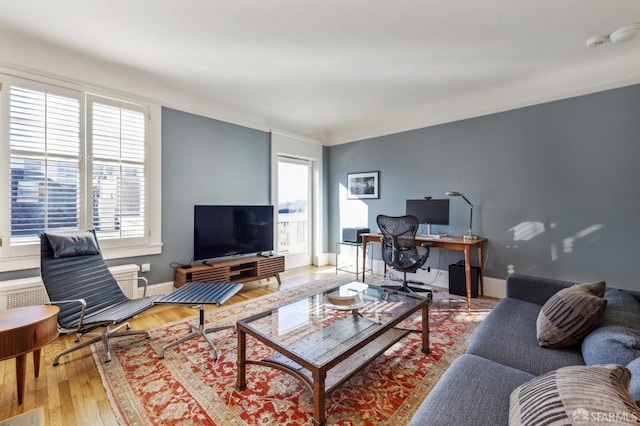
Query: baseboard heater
(30, 291)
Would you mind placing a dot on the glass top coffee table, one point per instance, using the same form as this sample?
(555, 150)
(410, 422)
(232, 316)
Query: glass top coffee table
(326, 338)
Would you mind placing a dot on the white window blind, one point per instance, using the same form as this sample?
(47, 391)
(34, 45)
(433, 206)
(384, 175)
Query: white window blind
(117, 141)
(44, 163)
(73, 160)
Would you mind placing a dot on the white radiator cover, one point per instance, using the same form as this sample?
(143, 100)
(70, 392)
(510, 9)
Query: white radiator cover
(30, 291)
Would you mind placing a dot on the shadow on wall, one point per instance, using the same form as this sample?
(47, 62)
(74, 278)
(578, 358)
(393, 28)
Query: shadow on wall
(526, 231)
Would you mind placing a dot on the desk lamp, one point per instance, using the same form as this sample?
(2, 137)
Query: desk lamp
(470, 235)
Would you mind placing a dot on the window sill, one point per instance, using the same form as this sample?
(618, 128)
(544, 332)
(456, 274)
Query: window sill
(32, 262)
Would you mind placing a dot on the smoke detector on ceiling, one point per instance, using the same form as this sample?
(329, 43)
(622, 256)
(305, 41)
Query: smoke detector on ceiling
(625, 33)
(618, 36)
(598, 40)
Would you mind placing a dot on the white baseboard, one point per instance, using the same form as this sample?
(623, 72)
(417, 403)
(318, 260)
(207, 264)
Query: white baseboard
(157, 289)
(494, 287)
(324, 259)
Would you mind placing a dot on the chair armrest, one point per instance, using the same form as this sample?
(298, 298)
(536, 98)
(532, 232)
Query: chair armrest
(80, 301)
(146, 283)
(534, 289)
(60, 302)
(143, 279)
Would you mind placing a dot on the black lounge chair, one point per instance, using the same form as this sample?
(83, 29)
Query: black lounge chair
(76, 277)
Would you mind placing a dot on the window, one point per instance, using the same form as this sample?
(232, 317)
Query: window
(44, 163)
(117, 144)
(74, 160)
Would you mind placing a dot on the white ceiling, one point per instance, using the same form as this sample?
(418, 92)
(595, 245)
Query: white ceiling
(343, 70)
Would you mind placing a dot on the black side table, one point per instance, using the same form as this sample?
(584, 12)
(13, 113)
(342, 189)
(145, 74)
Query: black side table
(200, 293)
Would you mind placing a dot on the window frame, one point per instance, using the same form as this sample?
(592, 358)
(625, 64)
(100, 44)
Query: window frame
(90, 99)
(28, 256)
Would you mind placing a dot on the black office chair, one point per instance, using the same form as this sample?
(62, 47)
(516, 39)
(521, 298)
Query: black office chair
(76, 278)
(399, 250)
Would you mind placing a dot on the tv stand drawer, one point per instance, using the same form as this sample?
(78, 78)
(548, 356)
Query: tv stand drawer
(270, 265)
(213, 274)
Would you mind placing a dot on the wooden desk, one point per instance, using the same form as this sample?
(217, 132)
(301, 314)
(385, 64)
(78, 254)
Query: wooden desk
(24, 330)
(446, 243)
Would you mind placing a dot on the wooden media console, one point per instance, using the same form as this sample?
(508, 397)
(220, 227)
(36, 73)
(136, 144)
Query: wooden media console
(238, 270)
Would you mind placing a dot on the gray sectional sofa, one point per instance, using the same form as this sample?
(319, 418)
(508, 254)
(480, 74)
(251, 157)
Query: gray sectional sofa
(504, 353)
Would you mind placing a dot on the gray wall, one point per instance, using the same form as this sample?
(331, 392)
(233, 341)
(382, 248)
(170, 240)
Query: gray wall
(205, 161)
(565, 172)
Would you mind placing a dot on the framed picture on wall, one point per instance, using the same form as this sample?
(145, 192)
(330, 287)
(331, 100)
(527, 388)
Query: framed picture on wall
(363, 185)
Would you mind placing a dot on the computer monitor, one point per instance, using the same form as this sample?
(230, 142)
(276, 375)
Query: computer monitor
(429, 211)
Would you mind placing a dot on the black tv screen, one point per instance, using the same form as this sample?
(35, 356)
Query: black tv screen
(429, 211)
(222, 231)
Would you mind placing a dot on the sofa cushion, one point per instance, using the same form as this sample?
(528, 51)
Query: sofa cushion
(534, 289)
(617, 339)
(473, 391)
(508, 336)
(574, 395)
(634, 386)
(570, 314)
(622, 309)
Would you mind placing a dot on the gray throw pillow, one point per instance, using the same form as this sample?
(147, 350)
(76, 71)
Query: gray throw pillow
(570, 314)
(575, 395)
(634, 386)
(617, 339)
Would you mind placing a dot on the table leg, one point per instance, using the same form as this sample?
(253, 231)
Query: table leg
(467, 270)
(21, 375)
(364, 257)
(425, 330)
(319, 418)
(241, 382)
(481, 265)
(36, 362)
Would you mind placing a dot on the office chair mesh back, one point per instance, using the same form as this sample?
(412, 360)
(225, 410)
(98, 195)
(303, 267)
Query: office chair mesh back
(398, 242)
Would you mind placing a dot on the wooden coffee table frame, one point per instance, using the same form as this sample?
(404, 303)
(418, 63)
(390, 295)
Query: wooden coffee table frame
(322, 379)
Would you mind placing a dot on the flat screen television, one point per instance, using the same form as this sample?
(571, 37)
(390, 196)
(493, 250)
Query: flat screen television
(429, 211)
(225, 231)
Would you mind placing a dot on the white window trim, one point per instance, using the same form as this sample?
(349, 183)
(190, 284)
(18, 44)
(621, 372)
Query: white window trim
(154, 245)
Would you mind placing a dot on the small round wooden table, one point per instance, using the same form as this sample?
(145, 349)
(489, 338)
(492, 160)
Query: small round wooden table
(24, 330)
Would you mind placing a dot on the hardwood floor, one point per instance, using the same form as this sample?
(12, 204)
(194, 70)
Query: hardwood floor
(72, 392)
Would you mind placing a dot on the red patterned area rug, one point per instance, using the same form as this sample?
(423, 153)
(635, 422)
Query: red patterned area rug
(189, 388)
